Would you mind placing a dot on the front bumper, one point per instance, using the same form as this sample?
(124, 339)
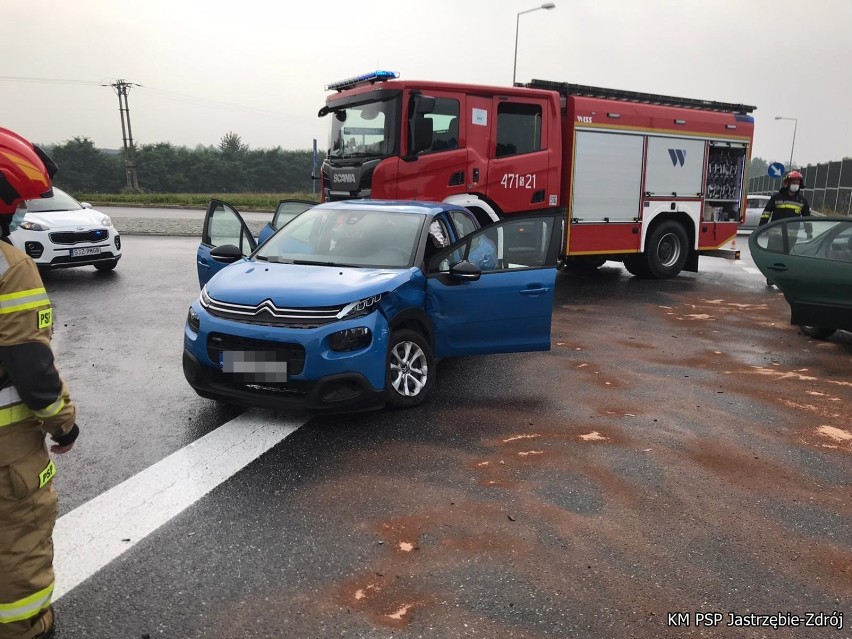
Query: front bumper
(49, 254)
(342, 392)
(320, 380)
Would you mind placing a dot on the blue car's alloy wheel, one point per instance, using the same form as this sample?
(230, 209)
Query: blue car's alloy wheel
(410, 369)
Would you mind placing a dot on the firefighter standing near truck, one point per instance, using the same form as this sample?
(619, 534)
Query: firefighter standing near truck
(788, 202)
(34, 403)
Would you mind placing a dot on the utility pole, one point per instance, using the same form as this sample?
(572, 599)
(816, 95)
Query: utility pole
(121, 88)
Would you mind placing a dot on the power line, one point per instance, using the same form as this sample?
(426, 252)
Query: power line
(12, 78)
(169, 94)
(208, 102)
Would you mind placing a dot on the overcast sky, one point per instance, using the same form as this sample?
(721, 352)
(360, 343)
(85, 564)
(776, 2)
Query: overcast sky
(258, 68)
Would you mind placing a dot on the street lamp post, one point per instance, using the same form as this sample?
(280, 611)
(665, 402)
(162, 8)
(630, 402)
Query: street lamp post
(547, 5)
(795, 126)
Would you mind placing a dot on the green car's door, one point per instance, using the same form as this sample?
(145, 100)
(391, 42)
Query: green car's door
(810, 260)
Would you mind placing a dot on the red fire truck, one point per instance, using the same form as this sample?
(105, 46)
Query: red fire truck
(650, 180)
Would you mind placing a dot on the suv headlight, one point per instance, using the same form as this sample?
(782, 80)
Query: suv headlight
(106, 221)
(351, 339)
(33, 226)
(204, 298)
(193, 320)
(360, 308)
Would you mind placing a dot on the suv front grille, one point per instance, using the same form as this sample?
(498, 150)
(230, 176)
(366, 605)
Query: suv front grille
(294, 353)
(75, 237)
(268, 314)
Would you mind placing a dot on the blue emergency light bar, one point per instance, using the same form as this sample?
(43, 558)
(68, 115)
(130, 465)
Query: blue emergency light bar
(367, 78)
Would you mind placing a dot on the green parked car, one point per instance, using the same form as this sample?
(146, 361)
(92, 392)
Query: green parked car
(810, 261)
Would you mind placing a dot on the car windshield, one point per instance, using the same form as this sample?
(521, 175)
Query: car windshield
(60, 201)
(363, 130)
(346, 237)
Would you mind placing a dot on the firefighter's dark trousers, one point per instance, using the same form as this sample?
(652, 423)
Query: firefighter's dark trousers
(27, 516)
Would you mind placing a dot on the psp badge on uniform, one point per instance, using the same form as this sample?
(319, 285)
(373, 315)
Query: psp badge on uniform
(45, 318)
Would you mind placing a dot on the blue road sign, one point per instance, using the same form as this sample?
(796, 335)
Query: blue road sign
(776, 170)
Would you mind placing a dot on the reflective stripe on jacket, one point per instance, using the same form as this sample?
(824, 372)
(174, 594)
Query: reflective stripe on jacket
(33, 399)
(783, 205)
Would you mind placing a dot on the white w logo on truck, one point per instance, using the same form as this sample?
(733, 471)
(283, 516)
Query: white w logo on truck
(678, 156)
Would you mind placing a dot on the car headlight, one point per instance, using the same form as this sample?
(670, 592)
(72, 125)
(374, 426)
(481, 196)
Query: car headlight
(360, 308)
(33, 226)
(351, 339)
(204, 298)
(193, 320)
(106, 221)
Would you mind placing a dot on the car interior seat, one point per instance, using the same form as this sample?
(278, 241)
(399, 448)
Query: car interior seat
(423, 132)
(453, 134)
(432, 248)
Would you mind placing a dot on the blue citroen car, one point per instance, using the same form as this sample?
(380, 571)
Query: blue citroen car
(350, 304)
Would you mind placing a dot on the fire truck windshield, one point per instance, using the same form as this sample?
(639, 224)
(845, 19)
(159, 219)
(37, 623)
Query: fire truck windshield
(363, 130)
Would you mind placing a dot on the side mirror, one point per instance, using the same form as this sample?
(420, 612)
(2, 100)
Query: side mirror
(464, 270)
(227, 254)
(85, 205)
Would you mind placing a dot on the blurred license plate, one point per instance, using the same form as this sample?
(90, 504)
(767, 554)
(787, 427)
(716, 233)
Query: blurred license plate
(254, 366)
(85, 251)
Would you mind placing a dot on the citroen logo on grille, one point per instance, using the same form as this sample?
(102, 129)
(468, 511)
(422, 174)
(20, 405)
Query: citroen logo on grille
(265, 305)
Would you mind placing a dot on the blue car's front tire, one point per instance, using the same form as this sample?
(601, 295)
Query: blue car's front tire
(410, 369)
(817, 332)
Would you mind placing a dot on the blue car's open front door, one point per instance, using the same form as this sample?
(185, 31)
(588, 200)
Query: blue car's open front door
(508, 307)
(222, 225)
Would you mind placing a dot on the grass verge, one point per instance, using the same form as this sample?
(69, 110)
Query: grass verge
(253, 201)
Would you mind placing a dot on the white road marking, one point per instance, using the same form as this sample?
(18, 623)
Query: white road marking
(91, 536)
(751, 269)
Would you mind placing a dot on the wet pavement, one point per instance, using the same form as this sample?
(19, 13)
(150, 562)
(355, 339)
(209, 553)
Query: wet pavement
(680, 449)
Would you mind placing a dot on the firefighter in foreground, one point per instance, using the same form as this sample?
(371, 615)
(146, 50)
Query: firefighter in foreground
(34, 403)
(788, 202)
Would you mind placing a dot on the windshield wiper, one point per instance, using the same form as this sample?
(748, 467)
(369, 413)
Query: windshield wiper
(275, 259)
(317, 263)
(313, 263)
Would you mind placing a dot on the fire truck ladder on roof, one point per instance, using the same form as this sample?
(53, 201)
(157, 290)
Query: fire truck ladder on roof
(566, 90)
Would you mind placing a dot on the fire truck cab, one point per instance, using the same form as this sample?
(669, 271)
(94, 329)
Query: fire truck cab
(653, 181)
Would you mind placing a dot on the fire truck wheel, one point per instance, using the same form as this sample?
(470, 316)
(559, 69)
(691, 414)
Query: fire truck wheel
(666, 250)
(635, 265)
(481, 216)
(410, 369)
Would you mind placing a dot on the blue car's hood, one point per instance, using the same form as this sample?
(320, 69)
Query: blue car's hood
(301, 286)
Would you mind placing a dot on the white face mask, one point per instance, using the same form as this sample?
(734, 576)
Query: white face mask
(793, 187)
(17, 218)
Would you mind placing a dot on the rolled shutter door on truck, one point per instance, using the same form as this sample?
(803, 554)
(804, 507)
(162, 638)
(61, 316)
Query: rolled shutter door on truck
(607, 177)
(675, 167)
(606, 193)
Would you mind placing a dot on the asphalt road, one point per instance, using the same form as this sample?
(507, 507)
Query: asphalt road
(680, 448)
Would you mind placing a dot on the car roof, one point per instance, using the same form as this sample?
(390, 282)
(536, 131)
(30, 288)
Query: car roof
(401, 206)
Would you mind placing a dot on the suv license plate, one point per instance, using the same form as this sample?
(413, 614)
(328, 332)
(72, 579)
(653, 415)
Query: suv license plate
(254, 366)
(85, 251)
